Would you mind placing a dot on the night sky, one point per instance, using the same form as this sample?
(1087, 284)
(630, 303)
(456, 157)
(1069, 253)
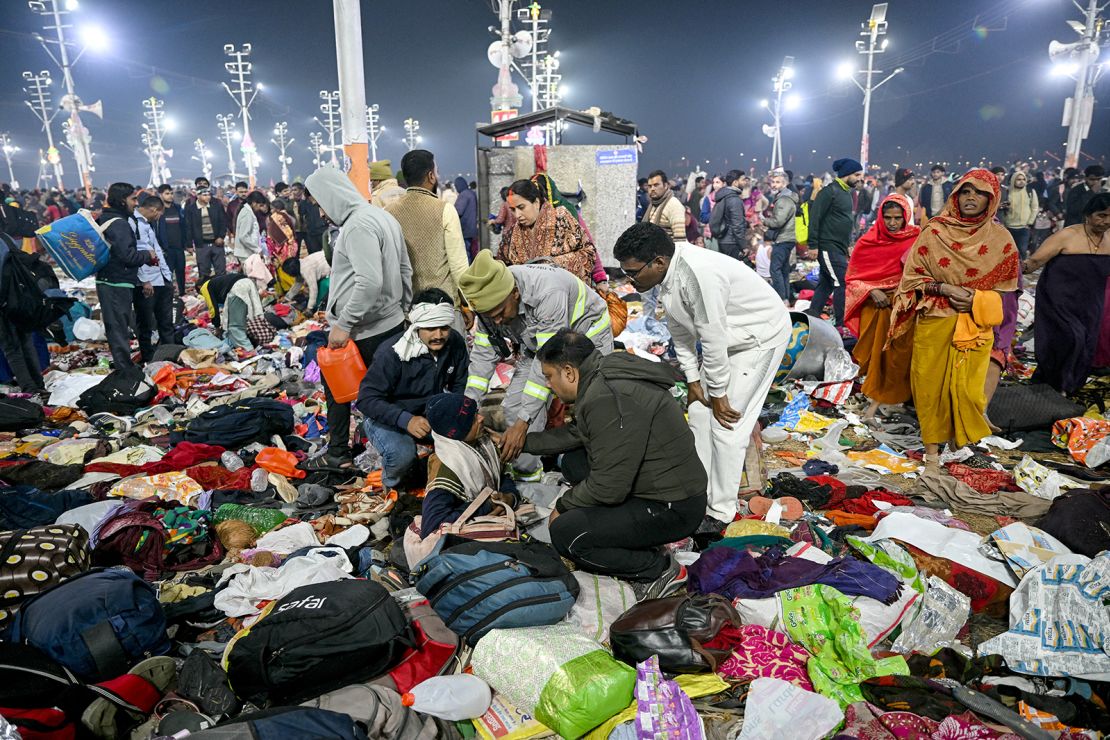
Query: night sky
(690, 74)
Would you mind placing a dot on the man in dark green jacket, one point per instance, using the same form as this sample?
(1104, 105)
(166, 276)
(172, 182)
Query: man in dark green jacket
(640, 484)
(830, 231)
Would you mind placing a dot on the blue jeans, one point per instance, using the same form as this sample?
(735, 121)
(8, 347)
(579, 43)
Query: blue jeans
(780, 268)
(1021, 240)
(397, 448)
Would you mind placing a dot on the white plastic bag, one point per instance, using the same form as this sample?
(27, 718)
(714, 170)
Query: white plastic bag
(774, 708)
(601, 600)
(88, 330)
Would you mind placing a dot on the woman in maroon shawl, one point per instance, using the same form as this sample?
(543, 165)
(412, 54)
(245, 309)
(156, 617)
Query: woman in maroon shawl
(1070, 297)
(874, 271)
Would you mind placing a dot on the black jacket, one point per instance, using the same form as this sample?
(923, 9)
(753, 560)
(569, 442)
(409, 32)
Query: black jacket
(124, 259)
(1076, 201)
(830, 219)
(176, 235)
(925, 196)
(192, 223)
(392, 391)
(729, 209)
(634, 432)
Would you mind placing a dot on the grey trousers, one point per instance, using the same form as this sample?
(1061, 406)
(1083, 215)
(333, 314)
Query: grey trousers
(115, 310)
(210, 257)
(525, 464)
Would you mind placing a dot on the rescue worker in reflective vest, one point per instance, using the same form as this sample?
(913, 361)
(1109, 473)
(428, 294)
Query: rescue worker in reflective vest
(520, 308)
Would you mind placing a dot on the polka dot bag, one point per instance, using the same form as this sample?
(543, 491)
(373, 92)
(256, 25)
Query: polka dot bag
(33, 560)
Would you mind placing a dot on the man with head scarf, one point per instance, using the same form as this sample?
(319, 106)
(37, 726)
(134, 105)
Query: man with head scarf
(409, 369)
(520, 308)
(384, 188)
(371, 283)
(830, 229)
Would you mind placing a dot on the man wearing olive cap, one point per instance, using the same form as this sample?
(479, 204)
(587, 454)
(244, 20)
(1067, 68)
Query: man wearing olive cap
(521, 307)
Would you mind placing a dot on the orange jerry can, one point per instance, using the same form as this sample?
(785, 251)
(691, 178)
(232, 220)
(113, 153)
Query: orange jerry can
(343, 369)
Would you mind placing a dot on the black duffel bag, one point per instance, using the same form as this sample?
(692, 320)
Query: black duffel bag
(124, 391)
(238, 424)
(318, 638)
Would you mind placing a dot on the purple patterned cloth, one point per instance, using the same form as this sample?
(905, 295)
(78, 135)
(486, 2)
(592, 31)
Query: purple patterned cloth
(737, 574)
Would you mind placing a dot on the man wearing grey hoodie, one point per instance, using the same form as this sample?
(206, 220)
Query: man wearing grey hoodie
(371, 284)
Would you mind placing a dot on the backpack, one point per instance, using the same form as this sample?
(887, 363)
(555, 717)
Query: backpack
(479, 586)
(97, 624)
(236, 425)
(717, 225)
(21, 222)
(801, 224)
(24, 282)
(32, 560)
(135, 536)
(43, 699)
(286, 722)
(315, 639)
(124, 391)
(19, 413)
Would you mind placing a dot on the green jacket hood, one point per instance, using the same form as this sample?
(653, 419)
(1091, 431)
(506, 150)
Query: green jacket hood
(625, 366)
(336, 194)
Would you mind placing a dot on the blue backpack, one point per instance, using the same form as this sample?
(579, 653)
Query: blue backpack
(97, 624)
(478, 586)
(286, 722)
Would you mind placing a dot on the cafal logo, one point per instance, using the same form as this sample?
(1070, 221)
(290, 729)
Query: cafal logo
(308, 602)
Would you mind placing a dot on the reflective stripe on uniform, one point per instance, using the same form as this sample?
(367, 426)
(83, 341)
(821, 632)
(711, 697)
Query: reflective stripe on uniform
(599, 326)
(542, 337)
(478, 382)
(536, 391)
(481, 339)
(580, 304)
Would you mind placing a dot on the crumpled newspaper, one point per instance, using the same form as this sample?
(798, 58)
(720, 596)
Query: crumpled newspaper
(1041, 481)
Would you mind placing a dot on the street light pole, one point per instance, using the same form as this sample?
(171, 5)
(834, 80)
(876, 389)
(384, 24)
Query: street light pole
(412, 126)
(243, 95)
(330, 109)
(1079, 60)
(79, 135)
(202, 156)
(39, 99)
(781, 83)
(352, 91)
(280, 131)
(155, 114)
(315, 145)
(9, 150)
(873, 28)
(226, 122)
(373, 131)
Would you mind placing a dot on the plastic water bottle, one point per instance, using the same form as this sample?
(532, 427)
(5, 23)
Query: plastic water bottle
(231, 461)
(259, 480)
(452, 698)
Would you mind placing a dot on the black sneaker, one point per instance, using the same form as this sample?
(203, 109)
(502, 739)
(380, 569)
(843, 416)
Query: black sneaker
(709, 525)
(672, 579)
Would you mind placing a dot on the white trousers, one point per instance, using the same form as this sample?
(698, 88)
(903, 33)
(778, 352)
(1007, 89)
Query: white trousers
(722, 451)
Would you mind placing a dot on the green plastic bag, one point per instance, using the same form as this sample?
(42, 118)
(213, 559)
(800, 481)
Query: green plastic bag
(561, 677)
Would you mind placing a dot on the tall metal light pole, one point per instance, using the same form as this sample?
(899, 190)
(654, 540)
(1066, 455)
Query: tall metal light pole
(506, 95)
(38, 93)
(316, 146)
(155, 131)
(352, 91)
(243, 94)
(9, 150)
(373, 130)
(81, 140)
(412, 137)
(537, 20)
(226, 122)
(1079, 60)
(281, 130)
(202, 156)
(550, 92)
(873, 28)
(44, 174)
(330, 124)
(781, 83)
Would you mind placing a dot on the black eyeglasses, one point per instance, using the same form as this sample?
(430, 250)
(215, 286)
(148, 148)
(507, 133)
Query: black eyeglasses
(631, 274)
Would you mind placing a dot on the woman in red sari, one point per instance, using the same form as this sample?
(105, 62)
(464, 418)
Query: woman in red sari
(874, 271)
(281, 242)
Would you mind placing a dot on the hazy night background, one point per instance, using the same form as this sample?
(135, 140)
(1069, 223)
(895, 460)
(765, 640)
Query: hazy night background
(690, 74)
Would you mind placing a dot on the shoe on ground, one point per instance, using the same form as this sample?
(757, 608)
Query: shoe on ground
(710, 525)
(674, 576)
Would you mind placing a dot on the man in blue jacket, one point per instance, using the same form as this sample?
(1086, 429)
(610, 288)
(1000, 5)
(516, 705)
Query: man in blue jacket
(116, 281)
(467, 206)
(410, 368)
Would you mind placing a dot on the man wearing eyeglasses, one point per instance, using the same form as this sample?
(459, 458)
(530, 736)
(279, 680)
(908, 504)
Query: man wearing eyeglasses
(743, 329)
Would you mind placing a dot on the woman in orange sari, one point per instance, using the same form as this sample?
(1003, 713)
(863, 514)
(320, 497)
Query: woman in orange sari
(545, 232)
(874, 271)
(950, 294)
